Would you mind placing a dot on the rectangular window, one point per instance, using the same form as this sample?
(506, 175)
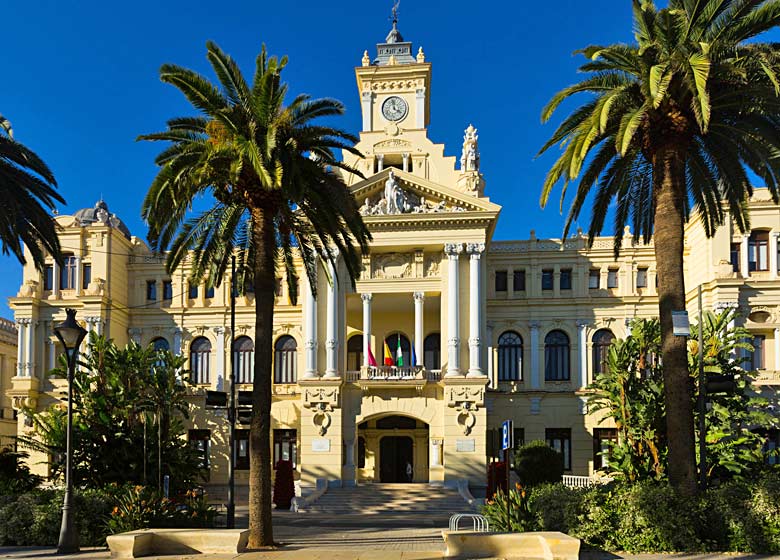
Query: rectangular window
(758, 361)
(86, 275)
(560, 440)
(48, 278)
(68, 273)
(519, 434)
(736, 256)
(641, 278)
(547, 279)
(200, 442)
(286, 446)
(242, 450)
(594, 279)
(151, 290)
(758, 251)
(501, 281)
(518, 280)
(193, 291)
(566, 279)
(167, 290)
(772, 447)
(210, 292)
(602, 438)
(612, 278)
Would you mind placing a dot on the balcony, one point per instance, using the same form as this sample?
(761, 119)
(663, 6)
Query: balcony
(393, 377)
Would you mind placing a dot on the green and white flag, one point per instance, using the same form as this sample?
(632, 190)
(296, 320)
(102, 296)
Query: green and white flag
(399, 356)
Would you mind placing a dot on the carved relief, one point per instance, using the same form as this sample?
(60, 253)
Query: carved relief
(396, 200)
(322, 400)
(393, 143)
(392, 265)
(458, 396)
(432, 263)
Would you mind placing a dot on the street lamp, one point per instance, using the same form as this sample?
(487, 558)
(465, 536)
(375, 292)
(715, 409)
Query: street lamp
(70, 334)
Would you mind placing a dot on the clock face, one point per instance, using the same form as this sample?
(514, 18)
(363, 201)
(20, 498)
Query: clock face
(394, 108)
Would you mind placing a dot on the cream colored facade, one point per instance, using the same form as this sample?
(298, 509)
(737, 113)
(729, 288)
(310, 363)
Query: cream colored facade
(7, 371)
(434, 275)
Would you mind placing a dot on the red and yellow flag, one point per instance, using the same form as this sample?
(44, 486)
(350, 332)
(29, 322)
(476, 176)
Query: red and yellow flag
(388, 358)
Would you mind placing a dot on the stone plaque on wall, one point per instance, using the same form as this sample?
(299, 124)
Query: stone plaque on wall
(465, 445)
(320, 445)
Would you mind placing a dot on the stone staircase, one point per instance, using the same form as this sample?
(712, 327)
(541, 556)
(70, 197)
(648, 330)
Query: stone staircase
(391, 500)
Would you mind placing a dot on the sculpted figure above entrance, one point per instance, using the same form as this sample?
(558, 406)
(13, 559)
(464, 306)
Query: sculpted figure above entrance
(396, 200)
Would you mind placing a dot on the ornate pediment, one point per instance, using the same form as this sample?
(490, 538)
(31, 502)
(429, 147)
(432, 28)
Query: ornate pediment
(394, 192)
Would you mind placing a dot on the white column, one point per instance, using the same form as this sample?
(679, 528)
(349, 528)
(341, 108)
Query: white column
(773, 246)
(85, 344)
(475, 251)
(583, 346)
(535, 373)
(365, 99)
(220, 332)
(20, 336)
(52, 354)
(29, 348)
(310, 331)
(331, 336)
(366, 325)
(419, 302)
(55, 285)
(490, 363)
(77, 278)
(435, 452)
(406, 161)
(420, 107)
(177, 342)
(777, 349)
(380, 159)
(453, 251)
(743, 257)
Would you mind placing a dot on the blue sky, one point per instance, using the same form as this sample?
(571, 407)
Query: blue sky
(80, 82)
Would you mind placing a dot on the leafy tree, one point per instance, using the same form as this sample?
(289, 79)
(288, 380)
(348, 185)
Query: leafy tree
(15, 475)
(113, 388)
(673, 124)
(735, 421)
(538, 463)
(630, 393)
(28, 192)
(277, 195)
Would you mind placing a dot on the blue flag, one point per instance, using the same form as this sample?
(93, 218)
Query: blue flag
(414, 357)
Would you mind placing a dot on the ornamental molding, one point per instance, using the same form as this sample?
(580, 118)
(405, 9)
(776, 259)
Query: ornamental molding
(392, 144)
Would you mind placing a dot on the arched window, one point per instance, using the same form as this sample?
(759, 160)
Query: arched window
(243, 359)
(392, 344)
(510, 357)
(432, 351)
(160, 343)
(200, 352)
(556, 356)
(285, 369)
(602, 340)
(355, 352)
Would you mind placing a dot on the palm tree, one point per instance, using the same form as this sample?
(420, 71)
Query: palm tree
(277, 192)
(673, 123)
(27, 196)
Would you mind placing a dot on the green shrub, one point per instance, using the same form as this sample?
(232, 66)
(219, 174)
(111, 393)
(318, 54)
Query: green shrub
(520, 516)
(556, 507)
(537, 463)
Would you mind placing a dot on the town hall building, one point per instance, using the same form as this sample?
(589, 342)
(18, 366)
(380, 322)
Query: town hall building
(478, 330)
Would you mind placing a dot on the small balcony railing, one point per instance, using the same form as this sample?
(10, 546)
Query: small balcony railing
(391, 374)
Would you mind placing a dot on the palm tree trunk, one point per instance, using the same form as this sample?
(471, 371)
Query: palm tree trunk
(260, 527)
(670, 192)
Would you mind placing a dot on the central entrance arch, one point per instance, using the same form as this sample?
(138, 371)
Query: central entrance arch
(394, 449)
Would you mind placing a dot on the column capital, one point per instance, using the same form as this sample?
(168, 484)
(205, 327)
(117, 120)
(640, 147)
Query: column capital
(219, 330)
(475, 249)
(419, 296)
(582, 323)
(724, 305)
(453, 250)
(535, 325)
(366, 297)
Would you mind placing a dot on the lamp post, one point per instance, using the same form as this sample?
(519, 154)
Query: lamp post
(70, 334)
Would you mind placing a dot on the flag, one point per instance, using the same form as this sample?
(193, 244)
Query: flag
(399, 356)
(371, 358)
(388, 355)
(414, 358)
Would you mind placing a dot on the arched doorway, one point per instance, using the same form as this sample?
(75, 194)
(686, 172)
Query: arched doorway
(393, 449)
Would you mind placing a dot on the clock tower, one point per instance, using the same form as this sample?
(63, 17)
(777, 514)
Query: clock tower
(394, 87)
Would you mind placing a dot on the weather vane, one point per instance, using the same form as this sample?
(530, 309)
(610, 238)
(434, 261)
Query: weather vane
(395, 10)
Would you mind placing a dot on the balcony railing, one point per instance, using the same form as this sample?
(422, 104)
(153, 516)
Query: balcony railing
(393, 373)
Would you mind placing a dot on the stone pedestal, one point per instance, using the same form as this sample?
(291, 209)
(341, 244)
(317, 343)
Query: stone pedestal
(465, 426)
(321, 432)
